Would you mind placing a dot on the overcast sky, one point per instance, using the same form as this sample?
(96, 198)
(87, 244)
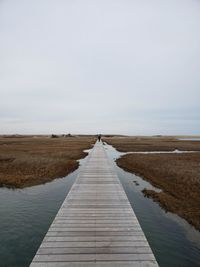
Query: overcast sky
(109, 66)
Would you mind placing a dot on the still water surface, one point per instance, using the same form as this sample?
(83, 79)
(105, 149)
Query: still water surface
(190, 139)
(26, 214)
(25, 217)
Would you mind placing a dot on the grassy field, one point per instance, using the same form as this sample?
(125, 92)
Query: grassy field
(28, 160)
(178, 175)
(131, 144)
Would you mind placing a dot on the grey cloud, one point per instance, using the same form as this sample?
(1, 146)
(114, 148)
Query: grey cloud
(116, 66)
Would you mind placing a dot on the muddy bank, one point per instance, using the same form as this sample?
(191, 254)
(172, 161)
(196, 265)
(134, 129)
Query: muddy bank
(30, 161)
(178, 175)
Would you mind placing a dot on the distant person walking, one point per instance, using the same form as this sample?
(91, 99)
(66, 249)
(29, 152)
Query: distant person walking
(99, 137)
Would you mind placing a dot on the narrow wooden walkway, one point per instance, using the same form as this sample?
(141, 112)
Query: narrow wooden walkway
(96, 226)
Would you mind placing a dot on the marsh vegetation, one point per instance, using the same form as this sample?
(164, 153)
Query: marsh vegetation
(29, 160)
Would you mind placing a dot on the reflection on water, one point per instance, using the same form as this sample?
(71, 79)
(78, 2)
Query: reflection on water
(191, 233)
(25, 216)
(174, 242)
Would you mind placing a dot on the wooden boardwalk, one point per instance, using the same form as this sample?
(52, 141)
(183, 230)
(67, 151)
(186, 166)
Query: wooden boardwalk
(96, 226)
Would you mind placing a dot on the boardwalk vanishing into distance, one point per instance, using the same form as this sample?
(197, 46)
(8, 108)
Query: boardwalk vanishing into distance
(95, 226)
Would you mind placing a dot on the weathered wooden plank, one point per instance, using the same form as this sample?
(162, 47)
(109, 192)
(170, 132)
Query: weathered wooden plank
(93, 257)
(102, 219)
(96, 244)
(93, 250)
(93, 225)
(94, 221)
(97, 264)
(100, 233)
(93, 238)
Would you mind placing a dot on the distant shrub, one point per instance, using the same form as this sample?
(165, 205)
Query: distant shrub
(68, 135)
(54, 136)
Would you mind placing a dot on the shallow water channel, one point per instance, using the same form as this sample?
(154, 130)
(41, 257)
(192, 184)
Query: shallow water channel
(26, 214)
(25, 217)
(190, 139)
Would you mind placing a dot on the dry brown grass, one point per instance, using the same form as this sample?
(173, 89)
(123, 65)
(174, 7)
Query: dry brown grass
(131, 144)
(29, 161)
(178, 175)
